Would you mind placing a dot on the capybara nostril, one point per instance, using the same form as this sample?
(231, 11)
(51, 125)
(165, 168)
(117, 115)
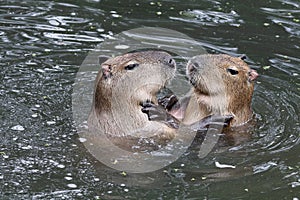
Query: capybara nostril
(172, 63)
(253, 75)
(191, 67)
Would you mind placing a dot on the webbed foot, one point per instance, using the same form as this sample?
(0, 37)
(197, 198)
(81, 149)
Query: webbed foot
(212, 121)
(159, 113)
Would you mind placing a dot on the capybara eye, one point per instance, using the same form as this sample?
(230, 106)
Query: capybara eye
(193, 67)
(232, 71)
(131, 66)
(243, 57)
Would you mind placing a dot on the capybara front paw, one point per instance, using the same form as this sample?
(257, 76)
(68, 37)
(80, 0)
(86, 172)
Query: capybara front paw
(213, 121)
(154, 112)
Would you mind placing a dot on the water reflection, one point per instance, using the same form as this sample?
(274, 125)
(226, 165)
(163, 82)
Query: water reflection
(43, 46)
(209, 18)
(288, 17)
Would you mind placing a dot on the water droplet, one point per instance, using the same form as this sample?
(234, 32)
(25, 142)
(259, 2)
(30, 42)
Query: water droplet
(100, 30)
(15, 91)
(40, 70)
(81, 139)
(54, 22)
(296, 20)
(116, 15)
(219, 165)
(68, 178)
(122, 47)
(50, 122)
(18, 128)
(61, 166)
(71, 185)
(26, 147)
(34, 170)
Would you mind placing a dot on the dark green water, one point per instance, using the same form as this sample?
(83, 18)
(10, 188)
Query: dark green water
(43, 44)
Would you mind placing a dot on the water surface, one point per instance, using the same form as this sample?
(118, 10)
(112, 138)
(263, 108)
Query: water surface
(43, 45)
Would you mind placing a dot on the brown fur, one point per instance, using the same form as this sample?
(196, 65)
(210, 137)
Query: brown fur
(119, 92)
(217, 91)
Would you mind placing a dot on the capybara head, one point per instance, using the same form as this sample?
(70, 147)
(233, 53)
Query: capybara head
(222, 84)
(134, 77)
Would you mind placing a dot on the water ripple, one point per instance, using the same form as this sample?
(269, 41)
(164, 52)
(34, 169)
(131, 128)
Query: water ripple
(276, 100)
(72, 37)
(288, 18)
(210, 18)
(48, 27)
(65, 20)
(44, 42)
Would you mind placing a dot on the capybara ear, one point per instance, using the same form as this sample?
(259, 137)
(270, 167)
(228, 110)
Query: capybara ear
(103, 58)
(106, 71)
(192, 67)
(243, 57)
(253, 74)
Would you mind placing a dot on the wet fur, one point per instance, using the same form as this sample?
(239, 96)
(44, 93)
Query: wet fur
(116, 109)
(216, 91)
